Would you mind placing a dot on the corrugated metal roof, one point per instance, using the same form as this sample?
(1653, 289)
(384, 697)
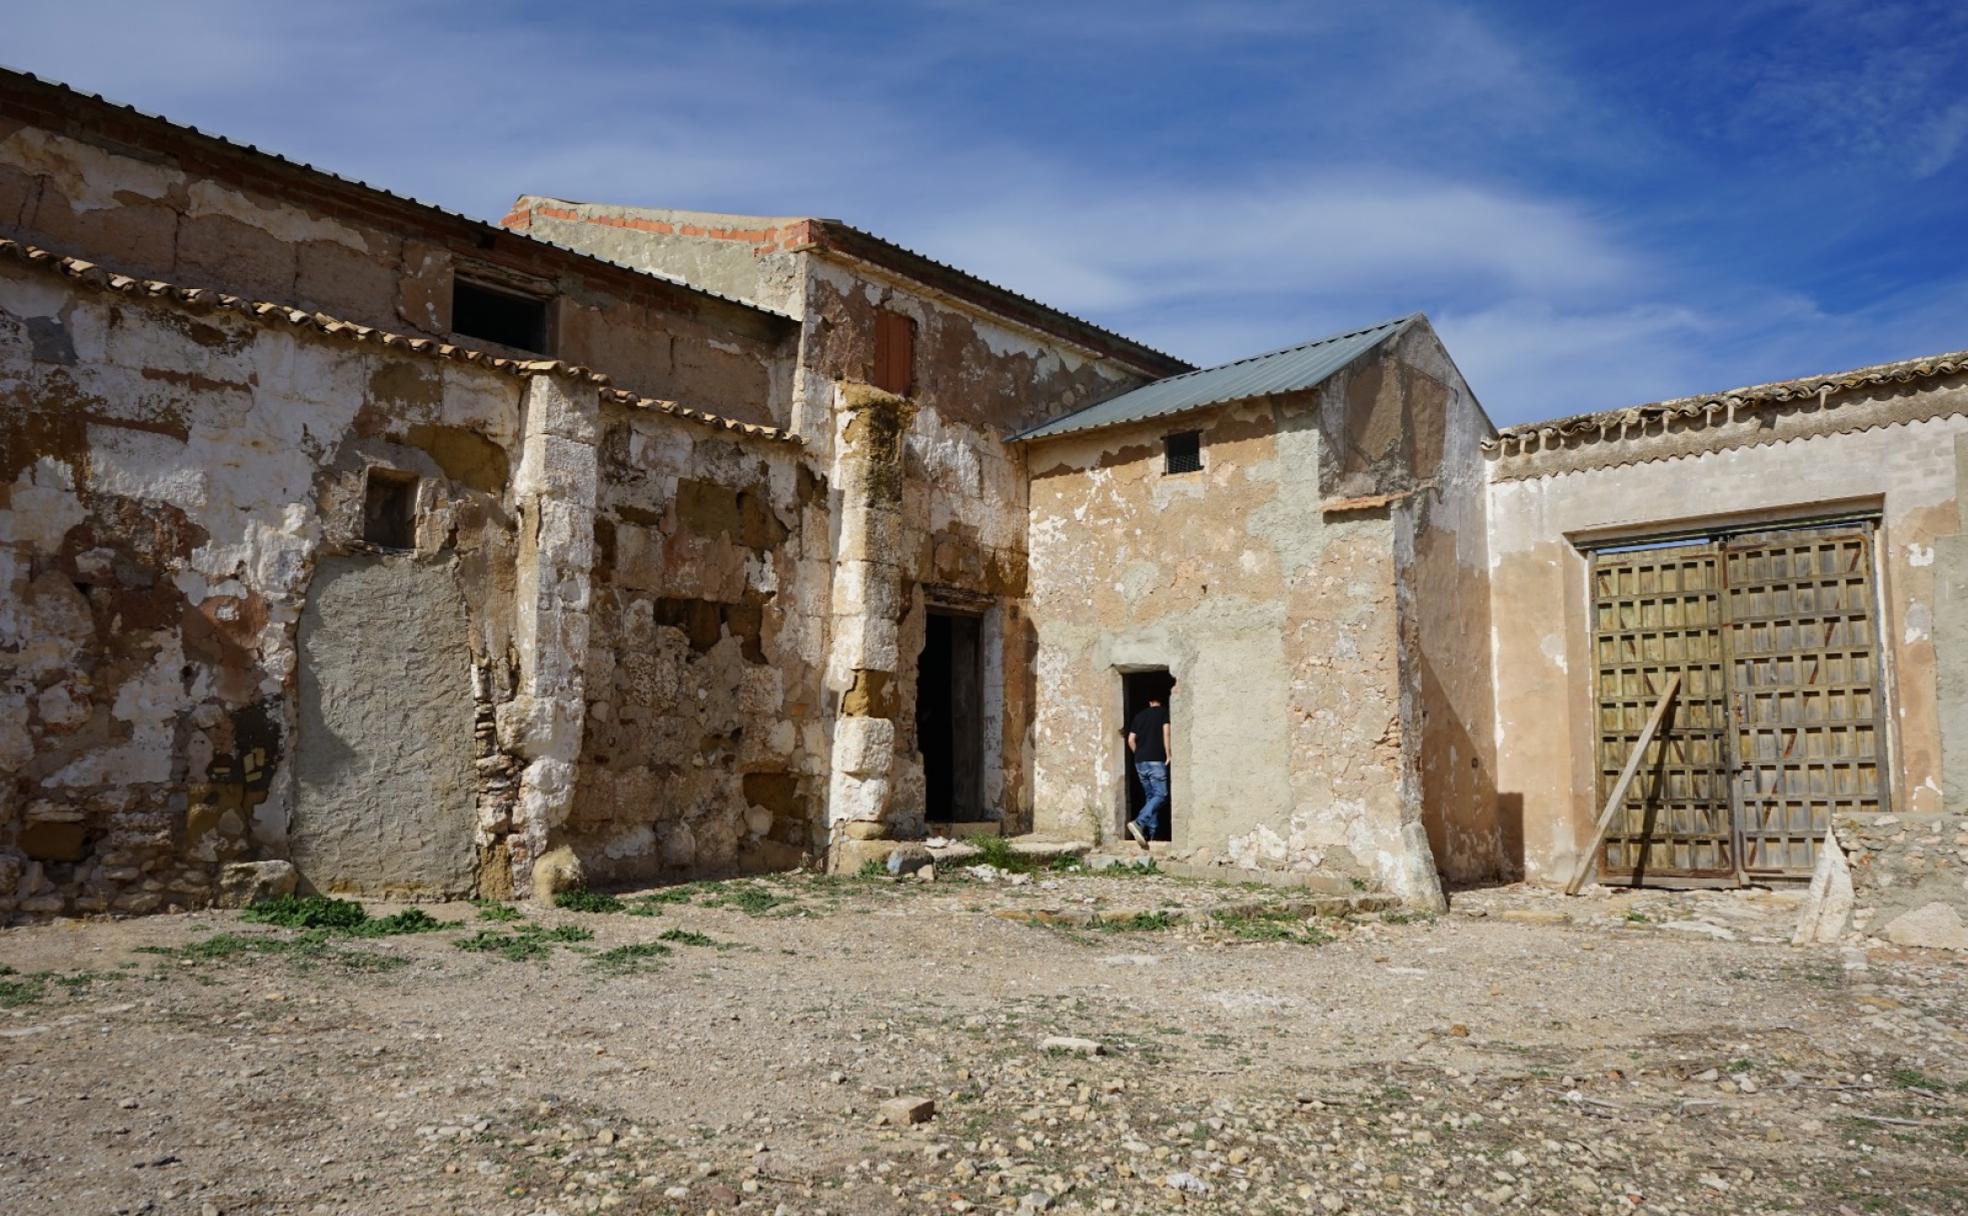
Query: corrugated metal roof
(1281, 371)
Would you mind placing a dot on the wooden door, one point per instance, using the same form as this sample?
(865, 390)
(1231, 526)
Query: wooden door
(1658, 611)
(1778, 722)
(1803, 646)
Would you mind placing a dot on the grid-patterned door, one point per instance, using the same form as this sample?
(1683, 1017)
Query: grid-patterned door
(1658, 612)
(1803, 649)
(1776, 723)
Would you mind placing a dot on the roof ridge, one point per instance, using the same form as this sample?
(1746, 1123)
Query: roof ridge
(1514, 440)
(1296, 346)
(95, 275)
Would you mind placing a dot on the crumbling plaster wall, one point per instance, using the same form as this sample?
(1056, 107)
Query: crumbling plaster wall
(1890, 450)
(705, 749)
(959, 538)
(170, 477)
(1444, 548)
(246, 225)
(1304, 589)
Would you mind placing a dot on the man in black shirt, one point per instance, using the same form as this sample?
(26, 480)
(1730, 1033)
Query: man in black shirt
(1148, 743)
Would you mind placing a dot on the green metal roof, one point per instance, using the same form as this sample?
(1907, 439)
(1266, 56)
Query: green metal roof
(1281, 371)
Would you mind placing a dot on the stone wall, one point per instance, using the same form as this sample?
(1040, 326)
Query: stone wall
(173, 473)
(148, 198)
(705, 749)
(1886, 449)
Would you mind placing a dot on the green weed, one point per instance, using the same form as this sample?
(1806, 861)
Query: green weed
(527, 941)
(493, 910)
(628, 960)
(306, 912)
(1140, 922)
(871, 869)
(583, 900)
(686, 937)
(1269, 926)
(749, 899)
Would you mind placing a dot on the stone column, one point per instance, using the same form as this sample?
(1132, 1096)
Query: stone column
(554, 490)
(867, 606)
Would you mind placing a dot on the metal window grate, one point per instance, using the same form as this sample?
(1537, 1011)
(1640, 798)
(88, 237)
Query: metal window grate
(1183, 452)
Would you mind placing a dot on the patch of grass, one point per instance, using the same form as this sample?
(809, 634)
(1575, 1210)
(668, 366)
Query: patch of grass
(871, 869)
(1913, 1078)
(1140, 922)
(1399, 917)
(1145, 868)
(583, 900)
(750, 899)
(524, 942)
(494, 910)
(1272, 926)
(1738, 1066)
(17, 990)
(1638, 917)
(306, 912)
(320, 914)
(628, 960)
(686, 938)
(410, 920)
(306, 948)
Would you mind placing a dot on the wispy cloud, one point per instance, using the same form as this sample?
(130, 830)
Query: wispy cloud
(1215, 179)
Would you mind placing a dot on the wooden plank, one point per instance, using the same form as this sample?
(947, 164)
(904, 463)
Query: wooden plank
(1590, 858)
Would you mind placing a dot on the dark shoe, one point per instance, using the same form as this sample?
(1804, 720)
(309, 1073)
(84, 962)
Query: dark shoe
(1134, 830)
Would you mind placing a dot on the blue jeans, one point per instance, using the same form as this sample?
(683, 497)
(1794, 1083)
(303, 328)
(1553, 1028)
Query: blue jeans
(1154, 783)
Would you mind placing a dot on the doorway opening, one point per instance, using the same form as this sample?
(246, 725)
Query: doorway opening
(1137, 689)
(950, 716)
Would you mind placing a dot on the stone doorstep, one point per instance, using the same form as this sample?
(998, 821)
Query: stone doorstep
(1033, 850)
(1329, 906)
(963, 829)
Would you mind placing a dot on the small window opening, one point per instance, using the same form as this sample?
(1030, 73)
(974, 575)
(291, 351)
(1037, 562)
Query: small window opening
(389, 509)
(491, 315)
(895, 352)
(1183, 452)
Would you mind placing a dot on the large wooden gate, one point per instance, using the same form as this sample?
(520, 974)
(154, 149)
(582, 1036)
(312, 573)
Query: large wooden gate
(1777, 722)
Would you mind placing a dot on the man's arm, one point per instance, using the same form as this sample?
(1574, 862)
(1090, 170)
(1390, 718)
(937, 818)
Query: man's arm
(1168, 744)
(1130, 743)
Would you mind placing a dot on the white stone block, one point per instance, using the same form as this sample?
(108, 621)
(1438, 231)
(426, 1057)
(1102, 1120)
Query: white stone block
(864, 747)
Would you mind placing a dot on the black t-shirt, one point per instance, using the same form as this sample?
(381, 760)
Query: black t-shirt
(1147, 727)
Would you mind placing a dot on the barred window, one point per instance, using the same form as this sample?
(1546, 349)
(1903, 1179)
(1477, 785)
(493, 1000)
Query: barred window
(1183, 452)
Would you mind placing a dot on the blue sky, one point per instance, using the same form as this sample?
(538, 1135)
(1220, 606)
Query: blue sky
(1597, 204)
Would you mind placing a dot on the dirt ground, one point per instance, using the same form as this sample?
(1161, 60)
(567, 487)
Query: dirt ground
(731, 1048)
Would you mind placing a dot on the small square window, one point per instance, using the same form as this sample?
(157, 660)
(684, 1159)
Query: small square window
(389, 509)
(504, 317)
(1182, 452)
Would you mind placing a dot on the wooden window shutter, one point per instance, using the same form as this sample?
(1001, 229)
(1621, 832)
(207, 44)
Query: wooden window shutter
(895, 355)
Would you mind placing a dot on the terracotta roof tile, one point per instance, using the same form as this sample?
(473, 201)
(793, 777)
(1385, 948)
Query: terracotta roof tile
(201, 299)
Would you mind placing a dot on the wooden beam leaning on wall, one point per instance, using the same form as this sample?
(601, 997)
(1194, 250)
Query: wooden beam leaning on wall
(1590, 857)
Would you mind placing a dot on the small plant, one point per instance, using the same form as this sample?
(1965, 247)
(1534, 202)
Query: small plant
(1272, 926)
(871, 869)
(1399, 917)
(1913, 1078)
(685, 937)
(306, 912)
(1637, 917)
(410, 920)
(749, 899)
(628, 960)
(583, 900)
(1739, 1066)
(14, 992)
(1358, 883)
(1139, 922)
(513, 947)
(494, 910)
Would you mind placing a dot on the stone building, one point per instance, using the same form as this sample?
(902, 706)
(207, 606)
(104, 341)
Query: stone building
(436, 558)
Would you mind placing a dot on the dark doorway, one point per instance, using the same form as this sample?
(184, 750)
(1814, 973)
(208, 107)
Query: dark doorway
(949, 717)
(1137, 688)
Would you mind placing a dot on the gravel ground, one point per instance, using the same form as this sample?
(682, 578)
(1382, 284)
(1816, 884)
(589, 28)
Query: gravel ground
(734, 1048)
